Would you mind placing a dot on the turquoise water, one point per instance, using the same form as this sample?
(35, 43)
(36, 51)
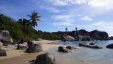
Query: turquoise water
(84, 55)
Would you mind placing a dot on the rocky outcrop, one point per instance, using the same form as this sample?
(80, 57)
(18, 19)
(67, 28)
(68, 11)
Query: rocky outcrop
(90, 46)
(2, 52)
(68, 38)
(44, 59)
(110, 46)
(33, 47)
(61, 49)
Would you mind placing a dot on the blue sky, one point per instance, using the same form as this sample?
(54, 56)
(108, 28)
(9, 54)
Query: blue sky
(56, 15)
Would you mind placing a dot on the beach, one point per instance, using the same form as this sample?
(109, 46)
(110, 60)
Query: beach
(81, 55)
(19, 57)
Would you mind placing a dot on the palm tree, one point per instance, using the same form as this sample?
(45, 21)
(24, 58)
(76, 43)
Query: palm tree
(66, 29)
(34, 18)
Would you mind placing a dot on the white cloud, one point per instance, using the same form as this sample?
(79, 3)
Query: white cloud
(54, 10)
(104, 26)
(59, 2)
(86, 18)
(68, 2)
(103, 4)
(64, 19)
(63, 23)
(51, 9)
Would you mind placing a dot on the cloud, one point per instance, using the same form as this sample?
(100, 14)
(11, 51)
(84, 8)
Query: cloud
(103, 4)
(86, 18)
(64, 19)
(50, 9)
(63, 24)
(59, 2)
(68, 2)
(104, 26)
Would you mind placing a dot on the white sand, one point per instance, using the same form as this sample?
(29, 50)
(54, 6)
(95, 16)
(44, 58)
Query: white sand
(12, 52)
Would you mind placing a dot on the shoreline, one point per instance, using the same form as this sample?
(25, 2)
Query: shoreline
(12, 52)
(81, 55)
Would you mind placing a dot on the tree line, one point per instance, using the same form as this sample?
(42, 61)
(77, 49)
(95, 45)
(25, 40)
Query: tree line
(24, 29)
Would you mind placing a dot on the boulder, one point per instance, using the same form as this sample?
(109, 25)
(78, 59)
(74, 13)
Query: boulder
(61, 49)
(44, 59)
(33, 47)
(1, 44)
(70, 47)
(110, 46)
(91, 44)
(2, 52)
(37, 47)
(5, 37)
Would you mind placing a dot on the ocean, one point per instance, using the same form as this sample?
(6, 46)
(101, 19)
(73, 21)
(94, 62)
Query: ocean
(84, 55)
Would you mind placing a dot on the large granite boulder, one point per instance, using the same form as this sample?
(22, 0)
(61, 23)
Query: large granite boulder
(2, 52)
(33, 47)
(61, 49)
(44, 59)
(110, 46)
(5, 37)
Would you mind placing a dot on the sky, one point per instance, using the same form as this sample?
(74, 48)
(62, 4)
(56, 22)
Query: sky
(56, 15)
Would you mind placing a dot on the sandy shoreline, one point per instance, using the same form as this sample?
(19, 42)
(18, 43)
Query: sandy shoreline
(19, 57)
(81, 55)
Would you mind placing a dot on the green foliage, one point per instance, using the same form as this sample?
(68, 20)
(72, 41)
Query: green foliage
(7, 23)
(21, 29)
(34, 17)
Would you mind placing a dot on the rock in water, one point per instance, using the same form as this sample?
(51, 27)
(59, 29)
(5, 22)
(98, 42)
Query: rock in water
(33, 47)
(44, 59)
(91, 44)
(61, 49)
(2, 52)
(110, 46)
(69, 47)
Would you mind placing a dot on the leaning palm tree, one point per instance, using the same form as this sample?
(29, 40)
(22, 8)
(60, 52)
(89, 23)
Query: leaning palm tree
(34, 18)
